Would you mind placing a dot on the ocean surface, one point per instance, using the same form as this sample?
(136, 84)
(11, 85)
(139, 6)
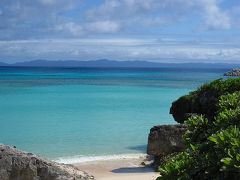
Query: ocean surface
(78, 114)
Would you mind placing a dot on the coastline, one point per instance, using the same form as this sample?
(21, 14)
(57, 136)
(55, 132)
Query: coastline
(88, 159)
(119, 169)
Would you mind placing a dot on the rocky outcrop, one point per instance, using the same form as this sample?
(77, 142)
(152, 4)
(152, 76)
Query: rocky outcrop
(18, 165)
(233, 72)
(204, 100)
(181, 108)
(166, 139)
(196, 103)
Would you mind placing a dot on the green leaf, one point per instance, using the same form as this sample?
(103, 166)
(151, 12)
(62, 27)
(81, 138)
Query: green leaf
(213, 139)
(227, 160)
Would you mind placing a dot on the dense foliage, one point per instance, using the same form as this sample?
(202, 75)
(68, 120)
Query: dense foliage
(213, 142)
(204, 100)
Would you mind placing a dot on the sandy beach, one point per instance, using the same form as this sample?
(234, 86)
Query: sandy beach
(124, 169)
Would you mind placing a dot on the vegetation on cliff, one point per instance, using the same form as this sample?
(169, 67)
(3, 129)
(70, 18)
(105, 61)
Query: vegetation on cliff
(213, 135)
(204, 100)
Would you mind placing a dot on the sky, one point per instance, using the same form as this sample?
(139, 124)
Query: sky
(152, 30)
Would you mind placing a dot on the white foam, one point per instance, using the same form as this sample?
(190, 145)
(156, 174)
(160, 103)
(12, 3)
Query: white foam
(81, 159)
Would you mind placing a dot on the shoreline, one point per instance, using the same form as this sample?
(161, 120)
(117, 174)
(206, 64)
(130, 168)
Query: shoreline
(85, 159)
(119, 169)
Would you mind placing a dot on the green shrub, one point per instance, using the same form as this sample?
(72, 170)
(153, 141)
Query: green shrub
(227, 118)
(204, 100)
(213, 143)
(227, 144)
(176, 167)
(196, 131)
(229, 101)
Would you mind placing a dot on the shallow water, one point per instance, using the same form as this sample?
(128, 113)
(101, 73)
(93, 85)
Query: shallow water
(82, 112)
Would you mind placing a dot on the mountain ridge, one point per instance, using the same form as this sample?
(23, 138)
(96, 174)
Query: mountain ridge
(113, 63)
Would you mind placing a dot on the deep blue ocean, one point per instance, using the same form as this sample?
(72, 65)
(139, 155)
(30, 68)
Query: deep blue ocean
(81, 113)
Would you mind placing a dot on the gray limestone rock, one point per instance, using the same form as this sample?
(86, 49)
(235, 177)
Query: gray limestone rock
(19, 165)
(233, 72)
(166, 139)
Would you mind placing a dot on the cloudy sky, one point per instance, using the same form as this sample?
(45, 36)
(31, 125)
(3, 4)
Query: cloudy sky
(153, 30)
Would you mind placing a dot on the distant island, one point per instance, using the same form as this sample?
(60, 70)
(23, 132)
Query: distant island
(105, 63)
(233, 72)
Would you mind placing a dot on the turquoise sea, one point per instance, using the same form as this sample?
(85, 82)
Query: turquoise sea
(69, 114)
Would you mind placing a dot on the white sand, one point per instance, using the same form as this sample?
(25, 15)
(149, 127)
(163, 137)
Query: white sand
(124, 169)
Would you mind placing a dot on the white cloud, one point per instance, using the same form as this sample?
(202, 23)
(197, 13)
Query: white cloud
(103, 26)
(214, 17)
(71, 27)
(234, 13)
(160, 12)
(122, 49)
(24, 22)
(24, 19)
